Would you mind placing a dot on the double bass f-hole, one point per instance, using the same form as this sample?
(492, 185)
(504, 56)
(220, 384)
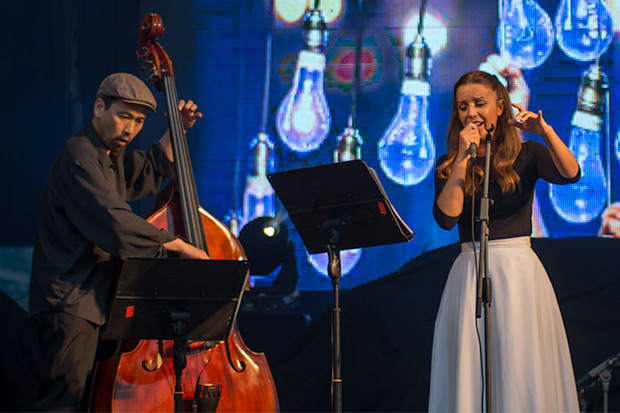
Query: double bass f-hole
(152, 365)
(240, 364)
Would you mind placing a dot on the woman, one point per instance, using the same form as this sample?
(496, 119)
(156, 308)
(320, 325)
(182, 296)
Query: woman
(531, 367)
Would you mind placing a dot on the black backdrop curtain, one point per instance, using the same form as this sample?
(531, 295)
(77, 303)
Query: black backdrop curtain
(387, 330)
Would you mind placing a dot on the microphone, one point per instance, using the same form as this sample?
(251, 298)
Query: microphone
(473, 152)
(473, 148)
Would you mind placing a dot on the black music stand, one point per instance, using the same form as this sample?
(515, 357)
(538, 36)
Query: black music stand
(176, 299)
(337, 207)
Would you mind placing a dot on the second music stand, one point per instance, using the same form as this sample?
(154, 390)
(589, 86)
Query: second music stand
(337, 207)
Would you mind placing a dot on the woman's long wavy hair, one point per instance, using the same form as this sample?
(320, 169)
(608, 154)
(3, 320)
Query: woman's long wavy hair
(506, 142)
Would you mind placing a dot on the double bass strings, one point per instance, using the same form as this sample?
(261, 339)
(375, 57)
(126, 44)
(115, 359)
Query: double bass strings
(193, 224)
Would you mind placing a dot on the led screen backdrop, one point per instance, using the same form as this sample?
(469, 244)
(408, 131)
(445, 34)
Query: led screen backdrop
(558, 57)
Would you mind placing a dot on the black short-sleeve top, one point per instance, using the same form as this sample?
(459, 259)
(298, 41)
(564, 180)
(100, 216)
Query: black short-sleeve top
(510, 215)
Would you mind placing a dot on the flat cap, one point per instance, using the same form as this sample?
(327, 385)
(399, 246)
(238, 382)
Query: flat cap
(128, 88)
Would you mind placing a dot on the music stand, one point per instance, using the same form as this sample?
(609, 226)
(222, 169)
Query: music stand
(176, 299)
(336, 207)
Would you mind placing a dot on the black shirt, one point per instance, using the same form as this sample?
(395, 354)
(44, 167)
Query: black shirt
(84, 219)
(510, 215)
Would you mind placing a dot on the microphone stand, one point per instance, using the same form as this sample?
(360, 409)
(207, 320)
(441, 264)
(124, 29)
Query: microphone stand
(484, 282)
(601, 372)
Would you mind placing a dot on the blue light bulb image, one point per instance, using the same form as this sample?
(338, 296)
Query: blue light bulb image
(581, 202)
(303, 118)
(583, 28)
(525, 33)
(348, 261)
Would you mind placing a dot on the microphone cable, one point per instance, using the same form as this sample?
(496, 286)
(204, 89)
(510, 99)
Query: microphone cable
(476, 272)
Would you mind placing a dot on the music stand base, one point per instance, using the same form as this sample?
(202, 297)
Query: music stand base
(334, 272)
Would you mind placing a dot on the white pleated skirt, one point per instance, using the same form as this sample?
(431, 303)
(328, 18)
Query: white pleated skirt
(531, 366)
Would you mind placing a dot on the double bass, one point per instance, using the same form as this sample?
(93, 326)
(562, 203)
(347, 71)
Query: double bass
(140, 376)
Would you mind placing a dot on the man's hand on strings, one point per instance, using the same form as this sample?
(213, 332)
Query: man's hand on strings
(185, 250)
(188, 117)
(188, 113)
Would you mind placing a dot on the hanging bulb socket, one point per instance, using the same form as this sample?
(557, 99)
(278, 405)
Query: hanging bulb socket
(262, 146)
(315, 30)
(418, 61)
(590, 96)
(233, 222)
(349, 144)
(590, 99)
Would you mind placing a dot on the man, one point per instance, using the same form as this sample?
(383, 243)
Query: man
(84, 222)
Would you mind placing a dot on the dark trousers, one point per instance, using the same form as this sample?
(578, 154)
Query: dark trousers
(69, 344)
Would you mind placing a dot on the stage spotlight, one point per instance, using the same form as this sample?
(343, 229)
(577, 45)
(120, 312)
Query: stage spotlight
(270, 231)
(265, 242)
